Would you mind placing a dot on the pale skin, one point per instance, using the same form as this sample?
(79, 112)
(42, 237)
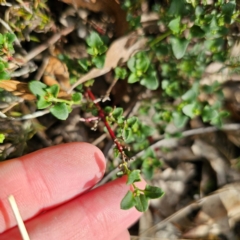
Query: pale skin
(52, 191)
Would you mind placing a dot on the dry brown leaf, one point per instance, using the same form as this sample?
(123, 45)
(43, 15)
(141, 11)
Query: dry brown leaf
(56, 72)
(212, 216)
(21, 89)
(119, 51)
(110, 7)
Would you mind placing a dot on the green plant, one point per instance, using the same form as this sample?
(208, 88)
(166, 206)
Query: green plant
(142, 71)
(139, 198)
(192, 35)
(96, 48)
(2, 137)
(47, 96)
(6, 52)
(25, 18)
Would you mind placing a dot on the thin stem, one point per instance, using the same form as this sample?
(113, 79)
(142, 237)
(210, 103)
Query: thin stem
(101, 114)
(160, 38)
(59, 100)
(91, 119)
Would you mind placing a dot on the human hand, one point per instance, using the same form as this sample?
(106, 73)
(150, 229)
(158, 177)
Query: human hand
(51, 188)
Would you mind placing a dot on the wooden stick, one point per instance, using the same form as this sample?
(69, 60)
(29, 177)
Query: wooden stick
(18, 217)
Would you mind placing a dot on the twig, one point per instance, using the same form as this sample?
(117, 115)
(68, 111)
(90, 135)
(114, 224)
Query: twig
(10, 107)
(32, 54)
(19, 220)
(28, 68)
(225, 127)
(99, 139)
(10, 30)
(24, 6)
(25, 117)
(91, 119)
(107, 177)
(106, 97)
(110, 131)
(41, 69)
(6, 4)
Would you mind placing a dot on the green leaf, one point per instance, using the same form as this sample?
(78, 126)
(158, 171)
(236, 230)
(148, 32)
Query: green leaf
(1, 39)
(189, 110)
(89, 83)
(127, 134)
(217, 121)
(92, 51)
(2, 137)
(179, 46)
(53, 90)
(133, 177)
(228, 11)
(128, 201)
(164, 84)
(133, 78)
(102, 49)
(141, 203)
(179, 119)
(2, 66)
(142, 62)
(224, 114)
(120, 73)
(134, 21)
(150, 81)
(115, 153)
(190, 95)
(4, 75)
(196, 31)
(108, 109)
(131, 121)
(174, 25)
(147, 170)
(209, 113)
(84, 63)
(98, 61)
(37, 88)
(94, 40)
(135, 126)
(76, 97)
(42, 103)
(60, 111)
(228, 8)
(120, 174)
(176, 7)
(199, 11)
(131, 64)
(117, 112)
(153, 192)
(10, 37)
(147, 130)
(121, 120)
(149, 153)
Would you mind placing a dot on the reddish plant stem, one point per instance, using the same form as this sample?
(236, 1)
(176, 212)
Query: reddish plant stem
(101, 114)
(89, 119)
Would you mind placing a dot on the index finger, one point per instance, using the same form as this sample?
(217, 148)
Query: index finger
(47, 178)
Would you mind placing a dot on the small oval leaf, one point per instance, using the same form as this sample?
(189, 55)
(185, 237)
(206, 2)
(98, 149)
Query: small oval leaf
(60, 111)
(128, 201)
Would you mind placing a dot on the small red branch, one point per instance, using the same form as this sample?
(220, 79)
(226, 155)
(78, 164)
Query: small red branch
(101, 114)
(89, 119)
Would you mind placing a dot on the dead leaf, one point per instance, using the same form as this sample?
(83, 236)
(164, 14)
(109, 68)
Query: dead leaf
(210, 217)
(117, 52)
(56, 72)
(21, 89)
(110, 7)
